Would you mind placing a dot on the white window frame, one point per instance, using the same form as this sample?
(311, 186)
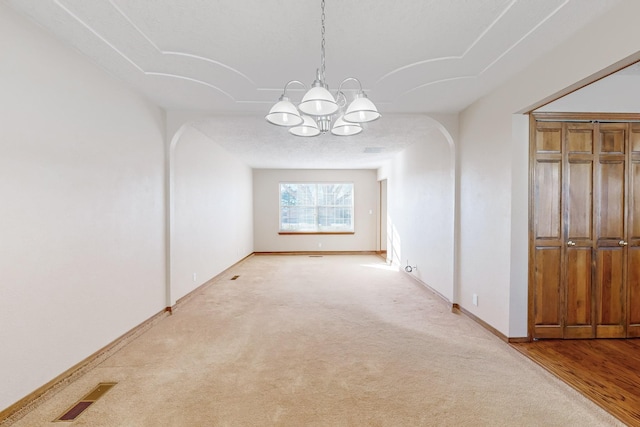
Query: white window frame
(316, 227)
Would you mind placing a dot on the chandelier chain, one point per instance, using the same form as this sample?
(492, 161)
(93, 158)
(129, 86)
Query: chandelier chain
(322, 52)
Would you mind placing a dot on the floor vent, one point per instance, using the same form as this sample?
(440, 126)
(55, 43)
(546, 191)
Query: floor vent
(316, 256)
(234, 277)
(79, 407)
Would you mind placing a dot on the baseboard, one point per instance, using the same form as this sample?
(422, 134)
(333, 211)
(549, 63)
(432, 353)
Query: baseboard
(455, 307)
(494, 331)
(441, 297)
(518, 340)
(180, 301)
(482, 323)
(41, 394)
(318, 253)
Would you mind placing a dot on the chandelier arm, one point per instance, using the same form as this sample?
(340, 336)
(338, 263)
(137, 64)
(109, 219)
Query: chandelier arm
(349, 79)
(284, 92)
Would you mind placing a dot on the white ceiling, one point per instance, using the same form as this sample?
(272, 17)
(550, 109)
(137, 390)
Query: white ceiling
(231, 59)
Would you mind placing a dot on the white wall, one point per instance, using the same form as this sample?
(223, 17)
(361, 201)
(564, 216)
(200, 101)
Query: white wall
(81, 208)
(518, 282)
(485, 207)
(266, 211)
(613, 94)
(382, 220)
(421, 188)
(493, 186)
(213, 211)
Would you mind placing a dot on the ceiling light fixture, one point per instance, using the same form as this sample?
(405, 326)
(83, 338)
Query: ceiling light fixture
(319, 108)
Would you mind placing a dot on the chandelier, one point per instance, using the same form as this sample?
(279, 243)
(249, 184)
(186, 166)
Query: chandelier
(319, 111)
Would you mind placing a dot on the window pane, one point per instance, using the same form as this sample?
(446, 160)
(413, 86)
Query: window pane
(316, 207)
(297, 195)
(298, 218)
(324, 195)
(334, 219)
(335, 194)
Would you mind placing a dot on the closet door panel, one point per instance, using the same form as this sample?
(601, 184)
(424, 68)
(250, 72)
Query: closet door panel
(610, 293)
(610, 266)
(547, 200)
(548, 138)
(579, 289)
(579, 208)
(578, 181)
(578, 269)
(613, 138)
(634, 201)
(633, 221)
(547, 245)
(610, 202)
(633, 300)
(547, 291)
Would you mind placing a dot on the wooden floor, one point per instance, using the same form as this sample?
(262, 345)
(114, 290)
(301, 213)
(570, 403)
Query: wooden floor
(605, 371)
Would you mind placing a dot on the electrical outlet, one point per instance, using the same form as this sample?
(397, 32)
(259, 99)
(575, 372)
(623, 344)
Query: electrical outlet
(195, 277)
(319, 245)
(475, 299)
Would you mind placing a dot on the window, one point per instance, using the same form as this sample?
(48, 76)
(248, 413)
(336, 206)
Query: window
(316, 207)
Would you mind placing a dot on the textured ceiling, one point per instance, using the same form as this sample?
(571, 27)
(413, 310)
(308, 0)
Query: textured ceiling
(231, 59)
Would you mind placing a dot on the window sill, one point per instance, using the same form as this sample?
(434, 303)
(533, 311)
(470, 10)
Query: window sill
(315, 232)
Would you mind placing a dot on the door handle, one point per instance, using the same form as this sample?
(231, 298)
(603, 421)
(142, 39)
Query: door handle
(571, 243)
(622, 243)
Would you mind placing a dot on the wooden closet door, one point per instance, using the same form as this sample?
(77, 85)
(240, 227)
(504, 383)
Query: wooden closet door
(611, 254)
(585, 226)
(633, 235)
(578, 207)
(546, 292)
(563, 230)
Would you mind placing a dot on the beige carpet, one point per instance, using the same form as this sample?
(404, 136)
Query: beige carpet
(338, 340)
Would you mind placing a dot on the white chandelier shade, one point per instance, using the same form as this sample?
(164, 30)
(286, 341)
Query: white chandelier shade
(318, 101)
(344, 128)
(284, 113)
(307, 128)
(318, 108)
(361, 110)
